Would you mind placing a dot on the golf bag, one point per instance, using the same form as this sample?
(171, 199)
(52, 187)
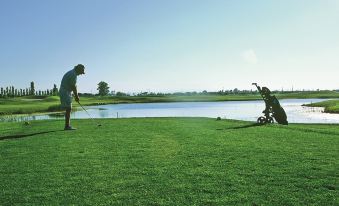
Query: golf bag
(273, 108)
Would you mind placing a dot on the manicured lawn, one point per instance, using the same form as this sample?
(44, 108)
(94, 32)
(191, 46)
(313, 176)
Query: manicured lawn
(168, 161)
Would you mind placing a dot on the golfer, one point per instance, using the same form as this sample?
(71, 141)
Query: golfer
(68, 85)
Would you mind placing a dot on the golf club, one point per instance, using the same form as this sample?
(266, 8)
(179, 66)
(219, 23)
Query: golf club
(99, 125)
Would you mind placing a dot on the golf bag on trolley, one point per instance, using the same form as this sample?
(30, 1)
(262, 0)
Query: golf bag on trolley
(273, 110)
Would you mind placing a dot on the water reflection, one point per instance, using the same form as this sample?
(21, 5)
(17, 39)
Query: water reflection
(241, 110)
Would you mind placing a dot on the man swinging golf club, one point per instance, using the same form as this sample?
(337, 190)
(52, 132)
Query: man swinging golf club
(68, 85)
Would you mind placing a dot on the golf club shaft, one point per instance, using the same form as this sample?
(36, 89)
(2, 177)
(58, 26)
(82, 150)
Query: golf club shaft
(87, 112)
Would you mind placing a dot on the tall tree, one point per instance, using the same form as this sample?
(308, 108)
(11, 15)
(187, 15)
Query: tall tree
(32, 89)
(55, 90)
(12, 91)
(103, 88)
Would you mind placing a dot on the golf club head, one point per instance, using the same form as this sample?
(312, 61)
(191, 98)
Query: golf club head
(99, 125)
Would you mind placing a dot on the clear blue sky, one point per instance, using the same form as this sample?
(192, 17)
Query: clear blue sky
(171, 45)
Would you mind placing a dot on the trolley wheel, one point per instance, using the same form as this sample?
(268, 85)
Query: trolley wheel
(261, 120)
(270, 120)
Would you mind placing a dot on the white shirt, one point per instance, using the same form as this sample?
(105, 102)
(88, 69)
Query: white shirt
(69, 81)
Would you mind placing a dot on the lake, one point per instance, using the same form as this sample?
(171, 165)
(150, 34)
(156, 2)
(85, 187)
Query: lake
(240, 110)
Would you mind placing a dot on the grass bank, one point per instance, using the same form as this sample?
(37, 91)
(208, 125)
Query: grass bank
(331, 106)
(168, 161)
(28, 105)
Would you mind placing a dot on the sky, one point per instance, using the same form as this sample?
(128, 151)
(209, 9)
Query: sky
(171, 45)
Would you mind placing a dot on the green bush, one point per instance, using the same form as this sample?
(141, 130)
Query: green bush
(55, 108)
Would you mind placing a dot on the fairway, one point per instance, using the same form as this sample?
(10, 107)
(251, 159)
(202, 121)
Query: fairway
(168, 161)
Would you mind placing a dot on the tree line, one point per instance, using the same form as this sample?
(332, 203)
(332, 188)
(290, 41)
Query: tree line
(11, 91)
(103, 90)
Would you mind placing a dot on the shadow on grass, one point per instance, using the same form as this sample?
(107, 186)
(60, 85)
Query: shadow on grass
(285, 128)
(242, 127)
(325, 132)
(17, 136)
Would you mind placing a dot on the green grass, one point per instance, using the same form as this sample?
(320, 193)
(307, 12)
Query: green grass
(29, 105)
(331, 106)
(168, 161)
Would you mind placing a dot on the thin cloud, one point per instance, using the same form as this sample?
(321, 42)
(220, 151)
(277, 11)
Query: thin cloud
(250, 56)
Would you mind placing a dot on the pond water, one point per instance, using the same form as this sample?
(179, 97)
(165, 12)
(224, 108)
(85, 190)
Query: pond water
(241, 110)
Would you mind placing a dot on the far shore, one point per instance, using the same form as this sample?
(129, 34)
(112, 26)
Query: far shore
(50, 104)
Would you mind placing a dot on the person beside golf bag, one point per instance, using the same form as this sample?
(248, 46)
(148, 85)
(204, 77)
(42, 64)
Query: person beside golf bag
(68, 85)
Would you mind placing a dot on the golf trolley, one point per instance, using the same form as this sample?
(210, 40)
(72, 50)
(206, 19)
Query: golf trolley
(273, 110)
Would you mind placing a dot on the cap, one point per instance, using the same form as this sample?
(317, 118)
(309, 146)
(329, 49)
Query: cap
(80, 68)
